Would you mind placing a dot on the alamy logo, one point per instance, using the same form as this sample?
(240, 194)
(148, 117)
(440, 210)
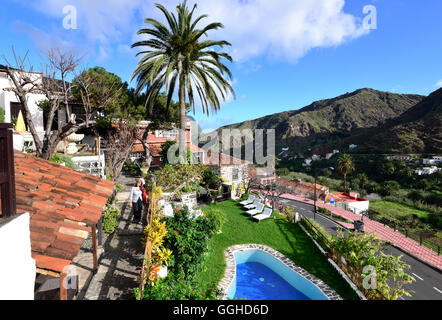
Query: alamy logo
(70, 19)
(370, 20)
(370, 279)
(253, 146)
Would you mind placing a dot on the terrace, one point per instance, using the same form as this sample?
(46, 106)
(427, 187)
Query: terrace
(289, 239)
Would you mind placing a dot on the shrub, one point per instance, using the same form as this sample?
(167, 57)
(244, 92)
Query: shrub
(2, 115)
(110, 218)
(210, 178)
(188, 239)
(216, 218)
(389, 187)
(132, 167)
(175, 287)
(119, 187)
(63, 159)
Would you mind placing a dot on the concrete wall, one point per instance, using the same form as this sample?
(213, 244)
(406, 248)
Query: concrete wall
(90, 164)
(358, 206)
(6, 97)
(17, 268)
(226, 172)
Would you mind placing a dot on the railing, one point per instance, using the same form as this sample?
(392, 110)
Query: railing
(325, 243)
(354, 274)
(7, 174)
(409, 233)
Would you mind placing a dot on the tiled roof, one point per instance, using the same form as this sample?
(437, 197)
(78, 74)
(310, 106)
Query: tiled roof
(155, 148)
(63, 204)
(343, 196)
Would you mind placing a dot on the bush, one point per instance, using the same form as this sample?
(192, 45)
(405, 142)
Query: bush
(175, 287)
(63, 159)
(110, 218)
(188, 239)
(210, 178)
(282, 172)
(132, 167)
(389, 187)
(215, 218)
(2, 115)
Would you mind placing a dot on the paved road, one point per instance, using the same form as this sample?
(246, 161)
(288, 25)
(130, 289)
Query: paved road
(428, 284)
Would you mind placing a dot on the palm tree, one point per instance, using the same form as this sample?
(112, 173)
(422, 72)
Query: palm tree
(177, 55)
(345, 166)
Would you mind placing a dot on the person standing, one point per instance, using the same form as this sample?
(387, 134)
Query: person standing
(136, 200)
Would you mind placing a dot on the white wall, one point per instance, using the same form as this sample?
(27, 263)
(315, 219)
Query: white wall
(6, 97)
(358, 206)
(17, 268)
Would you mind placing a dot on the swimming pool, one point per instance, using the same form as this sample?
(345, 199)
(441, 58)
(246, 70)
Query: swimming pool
(261, 273)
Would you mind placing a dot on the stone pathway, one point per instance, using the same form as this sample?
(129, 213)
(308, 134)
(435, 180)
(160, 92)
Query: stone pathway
(120, 257)
(381, 231)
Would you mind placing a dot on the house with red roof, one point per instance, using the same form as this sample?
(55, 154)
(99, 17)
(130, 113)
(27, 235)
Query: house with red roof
(349, 201)
(48, 211)
(156, 138)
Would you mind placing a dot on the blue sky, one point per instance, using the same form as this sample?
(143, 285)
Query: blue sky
(288, 53)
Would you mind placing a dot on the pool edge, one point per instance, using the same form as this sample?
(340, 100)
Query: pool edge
(230, 272)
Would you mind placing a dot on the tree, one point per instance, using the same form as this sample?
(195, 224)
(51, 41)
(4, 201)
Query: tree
(119, 137)
(165, 149)
(363, 180)
(54, 85)
(91, 88)
(274, 190)
(176, 55)
(345, 166)
(389, 187)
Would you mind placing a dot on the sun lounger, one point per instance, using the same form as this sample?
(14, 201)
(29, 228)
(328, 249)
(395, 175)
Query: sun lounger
(249, 200)
(253, 205)
(265, 215)
(257, 210)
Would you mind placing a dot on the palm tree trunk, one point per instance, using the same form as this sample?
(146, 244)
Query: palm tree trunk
(182, 137)
(345, 183)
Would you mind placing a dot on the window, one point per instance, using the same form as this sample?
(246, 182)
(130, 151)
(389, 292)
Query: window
(235, 174)
(169, 134)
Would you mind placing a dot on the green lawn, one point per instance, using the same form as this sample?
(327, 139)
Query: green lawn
(392, 209)
(289, 239)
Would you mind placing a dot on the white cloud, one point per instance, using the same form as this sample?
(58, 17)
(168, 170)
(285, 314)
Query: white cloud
(285, 29)
(439, 84)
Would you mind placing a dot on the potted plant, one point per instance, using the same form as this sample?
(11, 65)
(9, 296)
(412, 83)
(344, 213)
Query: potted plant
(144, 168)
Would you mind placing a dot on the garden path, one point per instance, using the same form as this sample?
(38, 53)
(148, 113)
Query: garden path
(120, 257)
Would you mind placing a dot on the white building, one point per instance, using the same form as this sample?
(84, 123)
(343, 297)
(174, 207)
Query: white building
(17, 267)
(429, 161)
(426, 170)
(307, 162)
(316, 157)
(328, 155)
(404, 157)
(437, 158)
(10, 104)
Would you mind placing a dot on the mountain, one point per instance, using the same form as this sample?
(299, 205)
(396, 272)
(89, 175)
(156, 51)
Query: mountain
(418, 130)
(337, 122)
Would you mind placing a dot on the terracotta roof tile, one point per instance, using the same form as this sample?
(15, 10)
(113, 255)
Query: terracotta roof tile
(60, 201)
(51, 263)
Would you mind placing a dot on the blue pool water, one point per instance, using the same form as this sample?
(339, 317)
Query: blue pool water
(261, 276)
(255, 281)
